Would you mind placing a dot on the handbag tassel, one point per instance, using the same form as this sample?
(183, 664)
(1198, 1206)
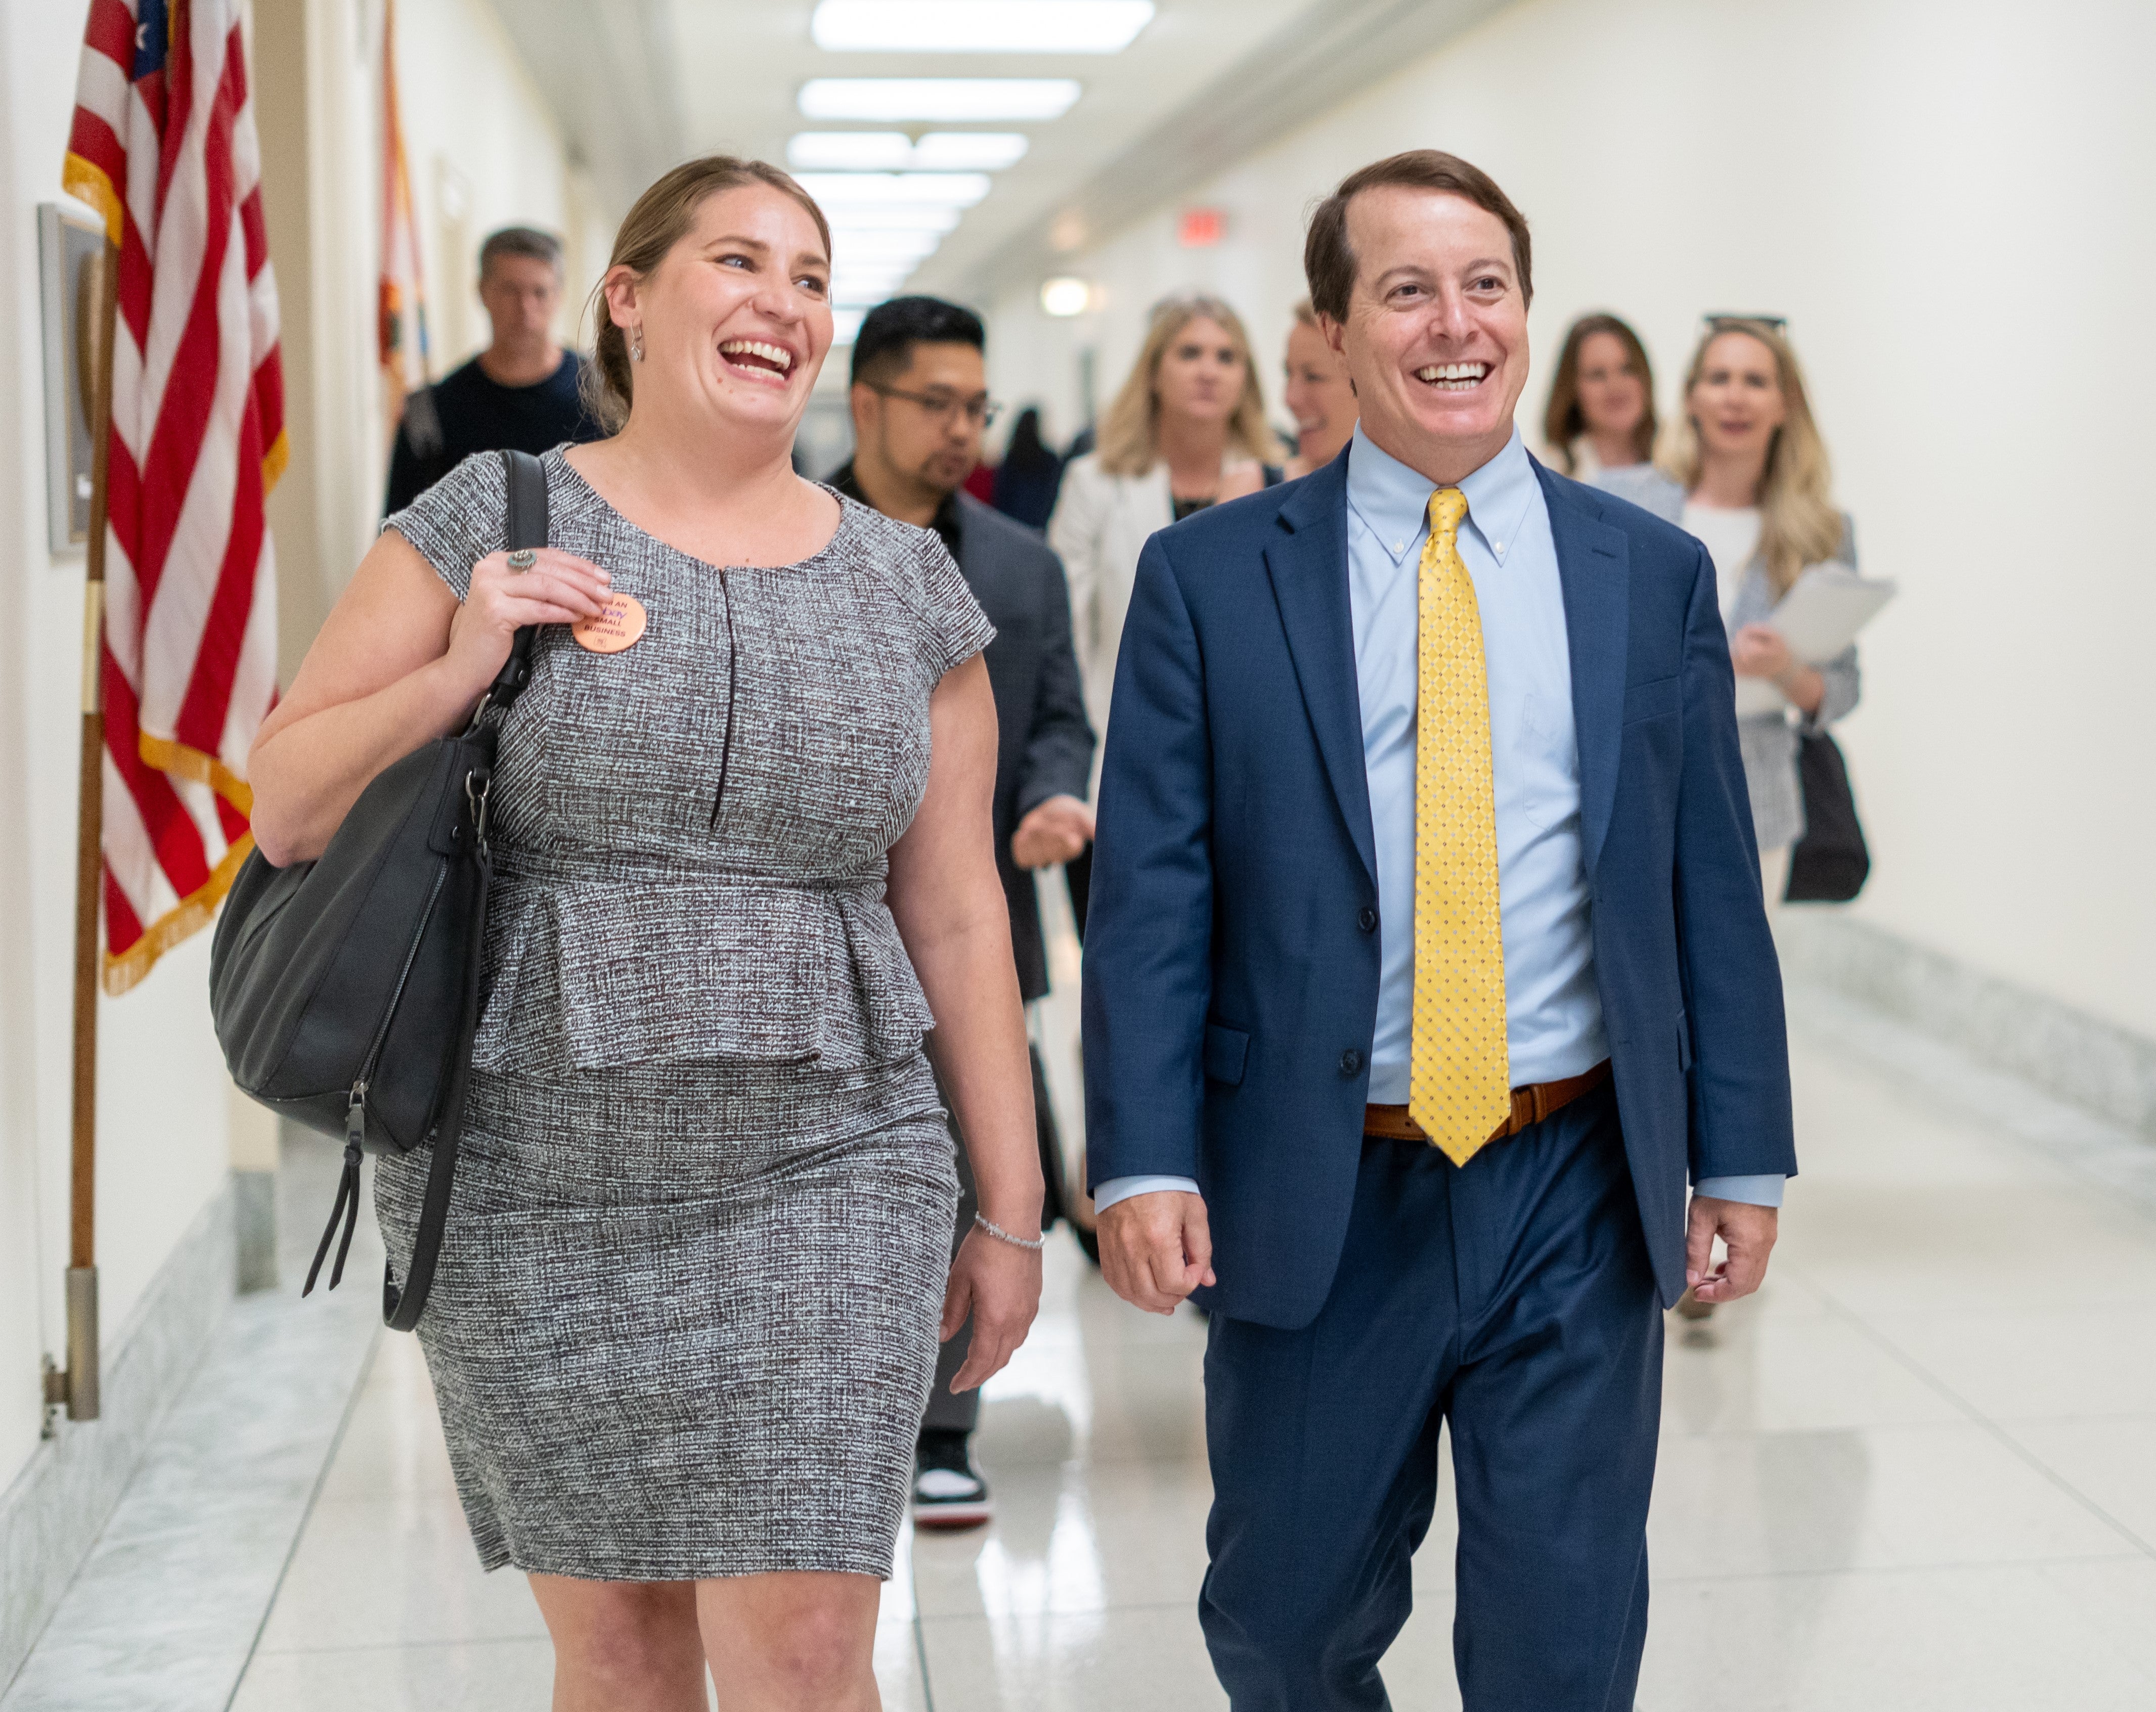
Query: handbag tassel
(347, 1209)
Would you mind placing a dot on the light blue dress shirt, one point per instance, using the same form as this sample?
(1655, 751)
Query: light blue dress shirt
(1552, 1011)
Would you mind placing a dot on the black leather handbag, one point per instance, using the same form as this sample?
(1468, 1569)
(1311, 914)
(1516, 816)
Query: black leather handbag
(1830, 863)
(345, 991)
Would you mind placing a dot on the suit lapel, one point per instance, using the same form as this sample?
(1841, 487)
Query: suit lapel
(1593, 564)
(1308, 564)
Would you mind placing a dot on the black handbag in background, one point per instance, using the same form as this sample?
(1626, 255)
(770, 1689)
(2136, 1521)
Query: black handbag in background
(345, 991)
(1830, 863)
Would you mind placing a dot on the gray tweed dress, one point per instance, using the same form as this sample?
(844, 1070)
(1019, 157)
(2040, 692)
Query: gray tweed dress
(684, 1320)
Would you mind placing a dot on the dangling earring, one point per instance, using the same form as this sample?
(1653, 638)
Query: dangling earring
(636, 344)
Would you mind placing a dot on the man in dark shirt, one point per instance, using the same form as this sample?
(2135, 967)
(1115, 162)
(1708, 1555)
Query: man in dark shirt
(520, 394)
(920, 403)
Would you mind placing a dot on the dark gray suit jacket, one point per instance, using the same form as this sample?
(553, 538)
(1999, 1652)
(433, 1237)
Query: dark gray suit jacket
(1044, 741)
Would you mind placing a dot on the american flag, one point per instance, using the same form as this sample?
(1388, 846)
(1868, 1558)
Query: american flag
(163, 146)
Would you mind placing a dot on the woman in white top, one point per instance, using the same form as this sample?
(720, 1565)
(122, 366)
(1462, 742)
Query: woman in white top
(1746, 473)
(1601, 411)
(1758, 494)
(1187, 431)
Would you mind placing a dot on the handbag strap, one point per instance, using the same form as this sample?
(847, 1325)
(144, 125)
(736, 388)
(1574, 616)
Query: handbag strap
(524, 479)
(401, 1308)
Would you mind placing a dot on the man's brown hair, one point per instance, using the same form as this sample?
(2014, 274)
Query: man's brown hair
(1328, 261)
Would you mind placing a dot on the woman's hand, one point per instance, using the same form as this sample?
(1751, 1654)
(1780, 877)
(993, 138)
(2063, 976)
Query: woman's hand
(998, 1284)
(1760, 651)
(558, 588)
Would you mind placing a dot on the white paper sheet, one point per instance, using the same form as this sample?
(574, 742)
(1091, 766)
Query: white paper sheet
(1819, 617)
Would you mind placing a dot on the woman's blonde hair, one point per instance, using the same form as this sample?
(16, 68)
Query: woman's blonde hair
(1799, 523)
(660, 218)
(1130, 433)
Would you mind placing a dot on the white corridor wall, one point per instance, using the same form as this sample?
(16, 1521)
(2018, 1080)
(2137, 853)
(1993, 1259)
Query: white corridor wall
(1954, 203)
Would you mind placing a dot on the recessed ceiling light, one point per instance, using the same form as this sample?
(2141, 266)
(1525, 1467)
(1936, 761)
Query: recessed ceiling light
(1065, 297)
(848, 190)
(979, 26)
(895, 99)
(894, 150)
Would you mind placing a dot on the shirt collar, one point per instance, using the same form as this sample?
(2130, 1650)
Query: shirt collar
(947, 521)
(1394, 501)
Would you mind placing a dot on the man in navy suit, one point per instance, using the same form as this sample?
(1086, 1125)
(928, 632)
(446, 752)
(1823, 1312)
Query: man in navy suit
(1265, 1061)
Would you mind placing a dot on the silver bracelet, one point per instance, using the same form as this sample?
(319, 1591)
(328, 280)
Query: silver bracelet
(1002, 1235)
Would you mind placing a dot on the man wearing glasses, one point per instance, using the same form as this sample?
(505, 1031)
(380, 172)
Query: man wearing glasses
(920, 403)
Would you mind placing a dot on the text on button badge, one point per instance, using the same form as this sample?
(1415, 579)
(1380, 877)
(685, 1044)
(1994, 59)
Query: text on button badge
(617, 625)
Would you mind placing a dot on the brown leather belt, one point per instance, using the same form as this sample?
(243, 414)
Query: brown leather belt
(1530, 1105)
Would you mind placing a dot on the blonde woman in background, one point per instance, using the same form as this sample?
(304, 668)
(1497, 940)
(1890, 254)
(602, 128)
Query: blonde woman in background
(1188, 430)
(1756, 493)
(1318, 395)
(1601, 411)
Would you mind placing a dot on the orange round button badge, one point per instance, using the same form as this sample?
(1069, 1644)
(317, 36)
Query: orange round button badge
(615, 626)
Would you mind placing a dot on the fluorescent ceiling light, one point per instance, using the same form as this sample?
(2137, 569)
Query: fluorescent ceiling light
(849, 151)
(894, 99)
(846, 326)
(979, 26)
(846, 190)
(865, 251)
(968, 151)
(849, 245)
(894, 150)
(863, 294)
(898, 217)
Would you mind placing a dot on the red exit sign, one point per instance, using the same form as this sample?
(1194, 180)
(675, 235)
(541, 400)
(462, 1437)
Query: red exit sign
(1201, 228)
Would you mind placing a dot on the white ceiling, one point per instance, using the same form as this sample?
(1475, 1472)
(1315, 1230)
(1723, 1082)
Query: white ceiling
(738, 70)
(642, 84)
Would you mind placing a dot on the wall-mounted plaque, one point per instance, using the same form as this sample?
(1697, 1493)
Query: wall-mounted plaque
(71, 267)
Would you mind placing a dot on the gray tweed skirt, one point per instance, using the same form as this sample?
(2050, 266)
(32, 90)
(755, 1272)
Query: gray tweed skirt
(684, 1324)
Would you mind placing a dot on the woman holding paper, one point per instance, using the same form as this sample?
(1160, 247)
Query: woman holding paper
(1757, 493)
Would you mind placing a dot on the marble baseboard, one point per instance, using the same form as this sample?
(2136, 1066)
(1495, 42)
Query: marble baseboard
(254, 1230)
(2079, 1058)
(165, 1610)
(52, 1514)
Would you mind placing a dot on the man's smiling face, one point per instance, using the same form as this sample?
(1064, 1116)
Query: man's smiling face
(1436, 333)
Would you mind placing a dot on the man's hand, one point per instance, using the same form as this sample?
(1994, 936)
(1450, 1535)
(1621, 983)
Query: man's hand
(1056, 830)
(1157, 1249)
(1749, 1233)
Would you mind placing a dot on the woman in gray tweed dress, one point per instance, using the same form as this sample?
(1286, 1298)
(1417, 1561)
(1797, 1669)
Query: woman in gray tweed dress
(688, 1303)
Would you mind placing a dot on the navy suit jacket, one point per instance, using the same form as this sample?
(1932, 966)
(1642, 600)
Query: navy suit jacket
(1231, 963)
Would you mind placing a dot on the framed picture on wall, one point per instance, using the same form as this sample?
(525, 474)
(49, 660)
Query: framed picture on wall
(70, 266)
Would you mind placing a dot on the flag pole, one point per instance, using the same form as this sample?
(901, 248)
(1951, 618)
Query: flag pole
(77, 1385)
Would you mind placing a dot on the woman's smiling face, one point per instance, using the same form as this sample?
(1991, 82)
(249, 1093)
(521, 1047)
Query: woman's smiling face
(737, 320)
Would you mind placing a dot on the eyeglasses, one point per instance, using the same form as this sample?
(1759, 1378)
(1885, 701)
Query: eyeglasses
(1725, 318)
(941, 406)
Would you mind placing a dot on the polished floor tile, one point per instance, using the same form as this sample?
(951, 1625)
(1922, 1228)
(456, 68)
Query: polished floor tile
(1917, 1471)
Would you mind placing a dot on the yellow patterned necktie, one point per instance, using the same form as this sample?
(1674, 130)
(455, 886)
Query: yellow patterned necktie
(1459, 1077)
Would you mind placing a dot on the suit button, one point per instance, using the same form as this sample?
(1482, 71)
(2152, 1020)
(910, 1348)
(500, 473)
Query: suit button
(1367, 920)
(1351, 1063)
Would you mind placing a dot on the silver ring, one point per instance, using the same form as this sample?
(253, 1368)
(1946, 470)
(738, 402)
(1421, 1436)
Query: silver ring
(523, 559)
